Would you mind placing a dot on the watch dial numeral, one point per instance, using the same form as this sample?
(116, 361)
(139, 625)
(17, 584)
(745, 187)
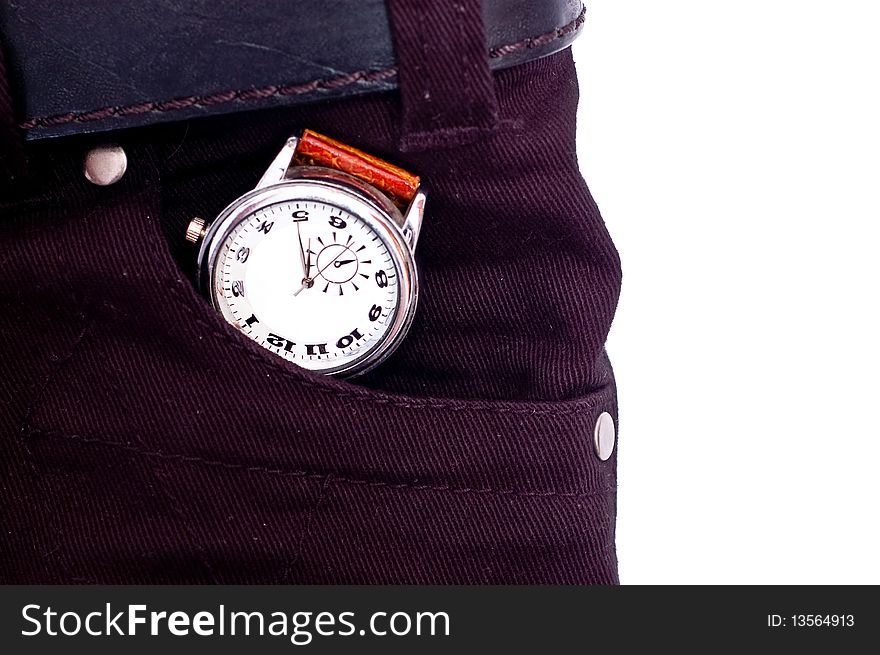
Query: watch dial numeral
(300, 215)
(337, 222)
(316, 349)
(375, 312)
(280, 342)
(251, 320)
(381, 278)
(348, 339)
(237, 288)
(243, 254)
(265, 226)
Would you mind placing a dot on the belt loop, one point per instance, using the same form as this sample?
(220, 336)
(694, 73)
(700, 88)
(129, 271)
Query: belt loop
(11, 138)
(446, 86)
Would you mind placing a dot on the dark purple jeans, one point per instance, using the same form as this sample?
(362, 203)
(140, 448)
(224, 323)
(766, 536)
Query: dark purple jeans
(143, 440)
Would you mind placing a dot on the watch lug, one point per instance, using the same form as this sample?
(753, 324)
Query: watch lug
(412, 218)
(278, 168)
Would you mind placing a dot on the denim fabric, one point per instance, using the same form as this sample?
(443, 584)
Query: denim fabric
(144, 440)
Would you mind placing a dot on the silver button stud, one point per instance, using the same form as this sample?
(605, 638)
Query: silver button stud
(604, 436)
(105, 165)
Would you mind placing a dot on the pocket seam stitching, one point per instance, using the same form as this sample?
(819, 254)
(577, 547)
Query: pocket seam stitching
(576, 407)
(193, 459)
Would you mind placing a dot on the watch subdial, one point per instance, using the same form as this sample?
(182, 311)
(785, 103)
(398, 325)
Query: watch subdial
(338, 267)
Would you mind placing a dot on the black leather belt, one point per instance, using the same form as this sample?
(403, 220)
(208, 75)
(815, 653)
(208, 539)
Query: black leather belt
(138, 62)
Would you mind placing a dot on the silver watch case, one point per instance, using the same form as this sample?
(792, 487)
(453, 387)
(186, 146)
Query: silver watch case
(399, 231)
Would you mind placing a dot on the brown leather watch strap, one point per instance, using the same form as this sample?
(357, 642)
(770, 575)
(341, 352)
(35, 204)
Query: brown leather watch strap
(316, 149)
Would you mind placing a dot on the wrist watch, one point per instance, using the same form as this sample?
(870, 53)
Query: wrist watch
(316, 264)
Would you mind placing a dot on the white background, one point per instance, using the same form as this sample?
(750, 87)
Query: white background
(734, 149)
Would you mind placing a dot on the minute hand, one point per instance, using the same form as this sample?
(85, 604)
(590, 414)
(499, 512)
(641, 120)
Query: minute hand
(302, 252)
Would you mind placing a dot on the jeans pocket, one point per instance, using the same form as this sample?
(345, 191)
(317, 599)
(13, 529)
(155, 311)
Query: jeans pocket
(167, 446)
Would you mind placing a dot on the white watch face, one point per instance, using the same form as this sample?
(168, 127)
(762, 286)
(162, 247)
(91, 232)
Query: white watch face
(311, 281)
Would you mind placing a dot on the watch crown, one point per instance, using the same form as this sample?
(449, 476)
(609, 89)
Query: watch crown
(196, 229)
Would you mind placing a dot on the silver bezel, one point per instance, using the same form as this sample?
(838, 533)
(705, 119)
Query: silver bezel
(308, 183)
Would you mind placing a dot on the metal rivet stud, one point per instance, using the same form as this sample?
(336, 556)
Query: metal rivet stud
(604, 436)
(105, 165)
